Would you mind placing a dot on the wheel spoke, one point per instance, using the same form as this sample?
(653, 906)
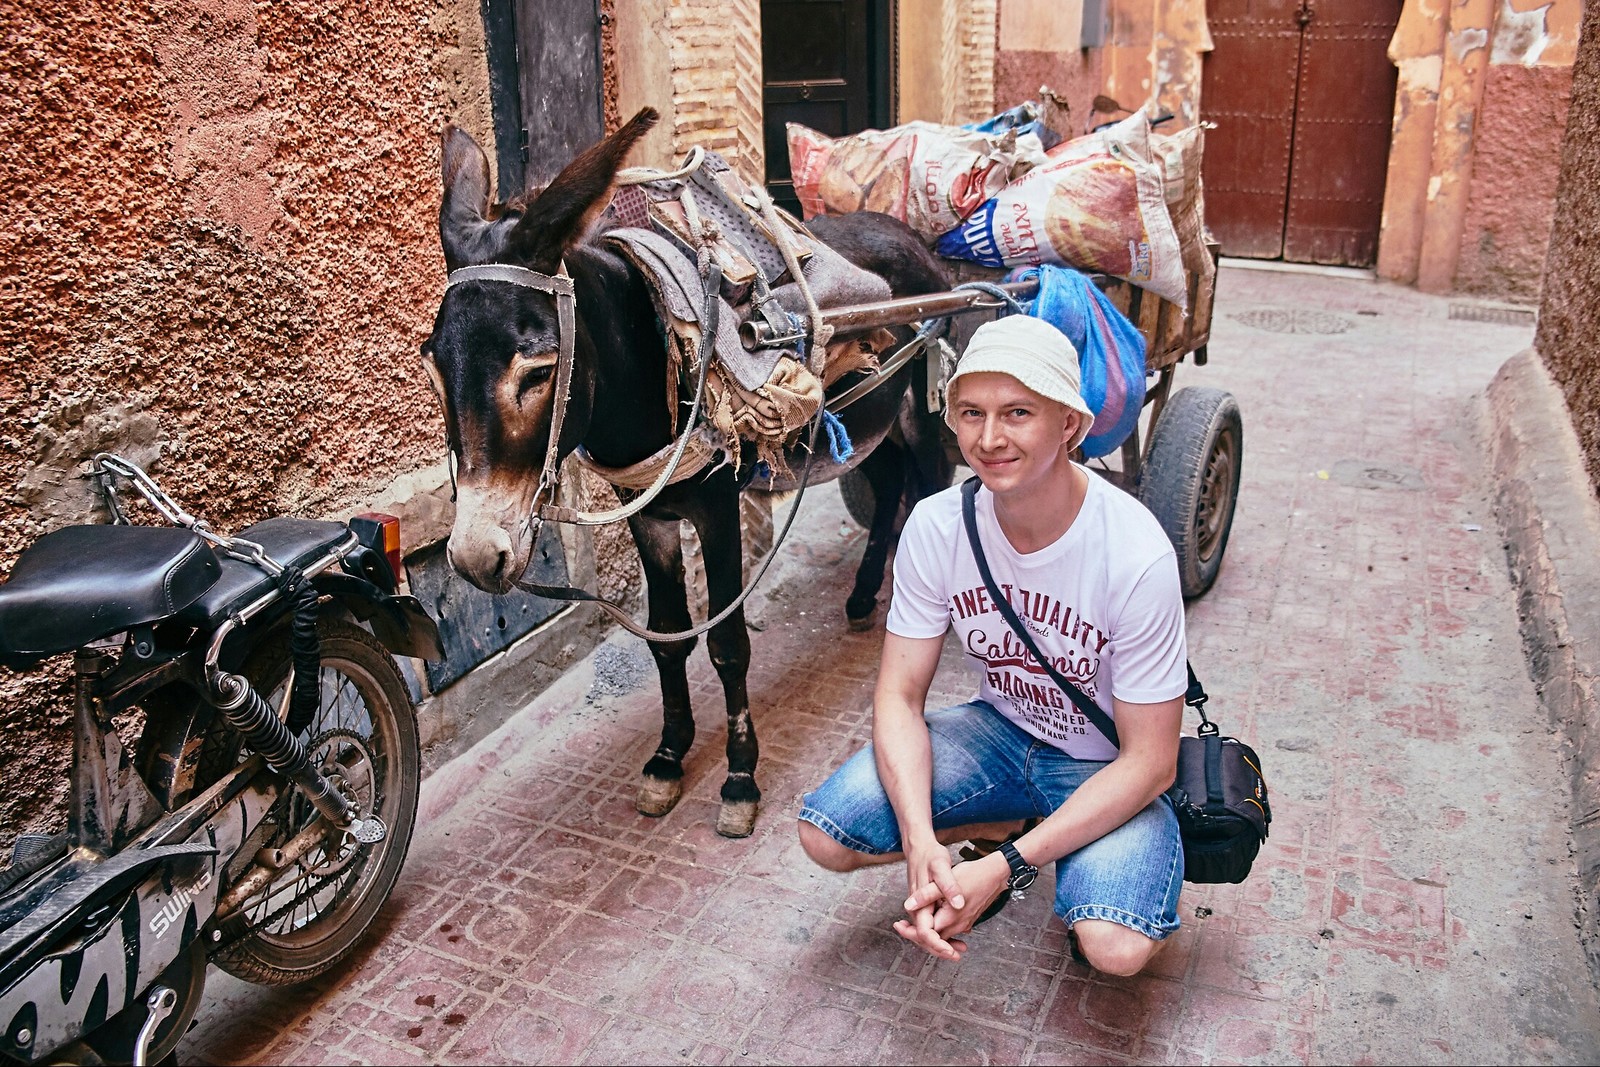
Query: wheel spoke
(1216, 488)
(361, 737)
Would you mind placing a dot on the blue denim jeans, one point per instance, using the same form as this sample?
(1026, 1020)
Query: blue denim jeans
(986, 769)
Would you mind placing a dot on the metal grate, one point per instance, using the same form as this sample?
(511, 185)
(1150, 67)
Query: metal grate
(1496, 313)
(1293, 320)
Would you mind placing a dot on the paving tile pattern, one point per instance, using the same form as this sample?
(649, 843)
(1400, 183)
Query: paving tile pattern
(1414, 903)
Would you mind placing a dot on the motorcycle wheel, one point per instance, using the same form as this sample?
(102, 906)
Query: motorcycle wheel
(364, 736)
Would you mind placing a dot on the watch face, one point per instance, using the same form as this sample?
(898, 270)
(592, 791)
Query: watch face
(1022, 872)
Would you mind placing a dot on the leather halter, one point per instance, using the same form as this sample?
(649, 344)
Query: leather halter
(559, 285)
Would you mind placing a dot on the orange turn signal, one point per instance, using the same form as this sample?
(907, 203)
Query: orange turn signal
(388, 526)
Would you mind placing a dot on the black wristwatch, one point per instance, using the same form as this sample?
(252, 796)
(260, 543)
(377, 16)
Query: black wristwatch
(1022, 872)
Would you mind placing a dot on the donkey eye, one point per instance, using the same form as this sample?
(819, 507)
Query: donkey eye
(533, 378)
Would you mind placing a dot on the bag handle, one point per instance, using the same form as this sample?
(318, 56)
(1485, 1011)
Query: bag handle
(1195, 697)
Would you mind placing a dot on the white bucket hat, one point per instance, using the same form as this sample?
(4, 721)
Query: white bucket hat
(1033, 352)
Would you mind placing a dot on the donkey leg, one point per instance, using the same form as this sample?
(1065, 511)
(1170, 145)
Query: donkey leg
(661, 550)
(729, 645)
(885, 469)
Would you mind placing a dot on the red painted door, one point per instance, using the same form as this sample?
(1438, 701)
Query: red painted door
(1302, 92)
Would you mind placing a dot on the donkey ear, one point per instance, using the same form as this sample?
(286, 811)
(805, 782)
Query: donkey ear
(571, 203)
(464, 226)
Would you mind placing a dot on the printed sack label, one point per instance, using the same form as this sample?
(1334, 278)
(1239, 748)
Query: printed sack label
(1098, 204)
(929, 176)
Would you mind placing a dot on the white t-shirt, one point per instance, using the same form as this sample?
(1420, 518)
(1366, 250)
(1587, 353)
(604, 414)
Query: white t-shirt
(1103, 602)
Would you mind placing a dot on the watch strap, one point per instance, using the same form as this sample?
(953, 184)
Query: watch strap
(1021, 870)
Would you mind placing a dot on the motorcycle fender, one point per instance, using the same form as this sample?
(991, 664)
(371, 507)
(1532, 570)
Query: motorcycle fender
(111, 966)
(397, 620)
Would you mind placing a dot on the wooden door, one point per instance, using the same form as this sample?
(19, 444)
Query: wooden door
(1302, 92)
(562, 88)
(825, 64)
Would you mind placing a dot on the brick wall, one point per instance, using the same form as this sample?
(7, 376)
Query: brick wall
(978, 34)
(716, 80)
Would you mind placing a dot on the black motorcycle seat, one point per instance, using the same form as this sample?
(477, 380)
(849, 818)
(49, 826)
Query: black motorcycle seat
(81, 583)
(291, 542)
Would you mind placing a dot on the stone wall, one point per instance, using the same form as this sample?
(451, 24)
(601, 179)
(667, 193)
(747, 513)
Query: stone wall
(1516, 156)
(1569, 313)
(220, 238)
(1479, 111)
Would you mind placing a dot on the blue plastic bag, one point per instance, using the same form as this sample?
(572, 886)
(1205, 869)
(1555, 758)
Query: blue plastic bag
(1024, 118)
(1111, 351)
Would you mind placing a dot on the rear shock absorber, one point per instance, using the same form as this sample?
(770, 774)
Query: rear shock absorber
(266, 734)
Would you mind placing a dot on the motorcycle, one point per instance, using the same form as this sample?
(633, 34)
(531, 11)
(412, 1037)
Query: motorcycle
(259, 819)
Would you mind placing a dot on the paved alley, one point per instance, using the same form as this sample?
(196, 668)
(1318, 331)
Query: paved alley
(1414, 903)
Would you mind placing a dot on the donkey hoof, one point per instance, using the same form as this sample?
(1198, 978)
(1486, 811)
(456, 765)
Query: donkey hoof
(859, 616)
(657, 796)
(737, 818)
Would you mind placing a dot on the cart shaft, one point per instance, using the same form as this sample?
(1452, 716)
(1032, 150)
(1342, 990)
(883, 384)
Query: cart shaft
(756, 333)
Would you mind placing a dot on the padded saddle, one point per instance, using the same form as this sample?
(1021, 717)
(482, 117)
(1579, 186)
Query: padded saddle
(82, 583)
(292, 542)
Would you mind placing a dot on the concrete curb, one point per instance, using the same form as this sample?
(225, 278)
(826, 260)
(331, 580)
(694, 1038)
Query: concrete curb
(1550, 520)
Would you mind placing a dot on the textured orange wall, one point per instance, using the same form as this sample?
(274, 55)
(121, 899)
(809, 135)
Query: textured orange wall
(220, 244)
(1074, 76)
(1569, 315)
(1477, 138)
(1515, 164)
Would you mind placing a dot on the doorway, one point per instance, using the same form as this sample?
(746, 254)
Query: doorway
(1302, 93)
(826, 64)
(562, 87)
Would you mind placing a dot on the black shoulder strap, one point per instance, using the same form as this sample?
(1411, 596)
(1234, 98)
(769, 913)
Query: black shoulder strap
(1195, 697)
(969, 516)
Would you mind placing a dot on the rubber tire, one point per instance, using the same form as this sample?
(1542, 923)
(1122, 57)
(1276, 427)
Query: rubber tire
(115, 1041)
(859, 499)
(1191, 480)
(364, 663)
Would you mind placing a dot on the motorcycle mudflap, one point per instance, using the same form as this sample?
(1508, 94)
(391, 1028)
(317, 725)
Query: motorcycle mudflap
(397, 619)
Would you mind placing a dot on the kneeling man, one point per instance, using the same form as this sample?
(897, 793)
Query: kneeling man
(1091, 574)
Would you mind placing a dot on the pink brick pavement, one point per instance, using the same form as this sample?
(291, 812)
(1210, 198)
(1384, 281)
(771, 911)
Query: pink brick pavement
(1414, 903)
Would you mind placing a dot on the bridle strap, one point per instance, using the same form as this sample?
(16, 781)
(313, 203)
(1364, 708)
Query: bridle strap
(544, 506)
(563, 398)
(560, 285)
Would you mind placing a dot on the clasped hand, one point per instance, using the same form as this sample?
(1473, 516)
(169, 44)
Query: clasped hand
(945, 901)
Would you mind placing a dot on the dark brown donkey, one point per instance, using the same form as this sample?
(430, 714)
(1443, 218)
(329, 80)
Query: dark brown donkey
(492, 358)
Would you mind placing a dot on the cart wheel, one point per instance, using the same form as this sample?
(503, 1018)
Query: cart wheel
(1191, 480)
(859, 499)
